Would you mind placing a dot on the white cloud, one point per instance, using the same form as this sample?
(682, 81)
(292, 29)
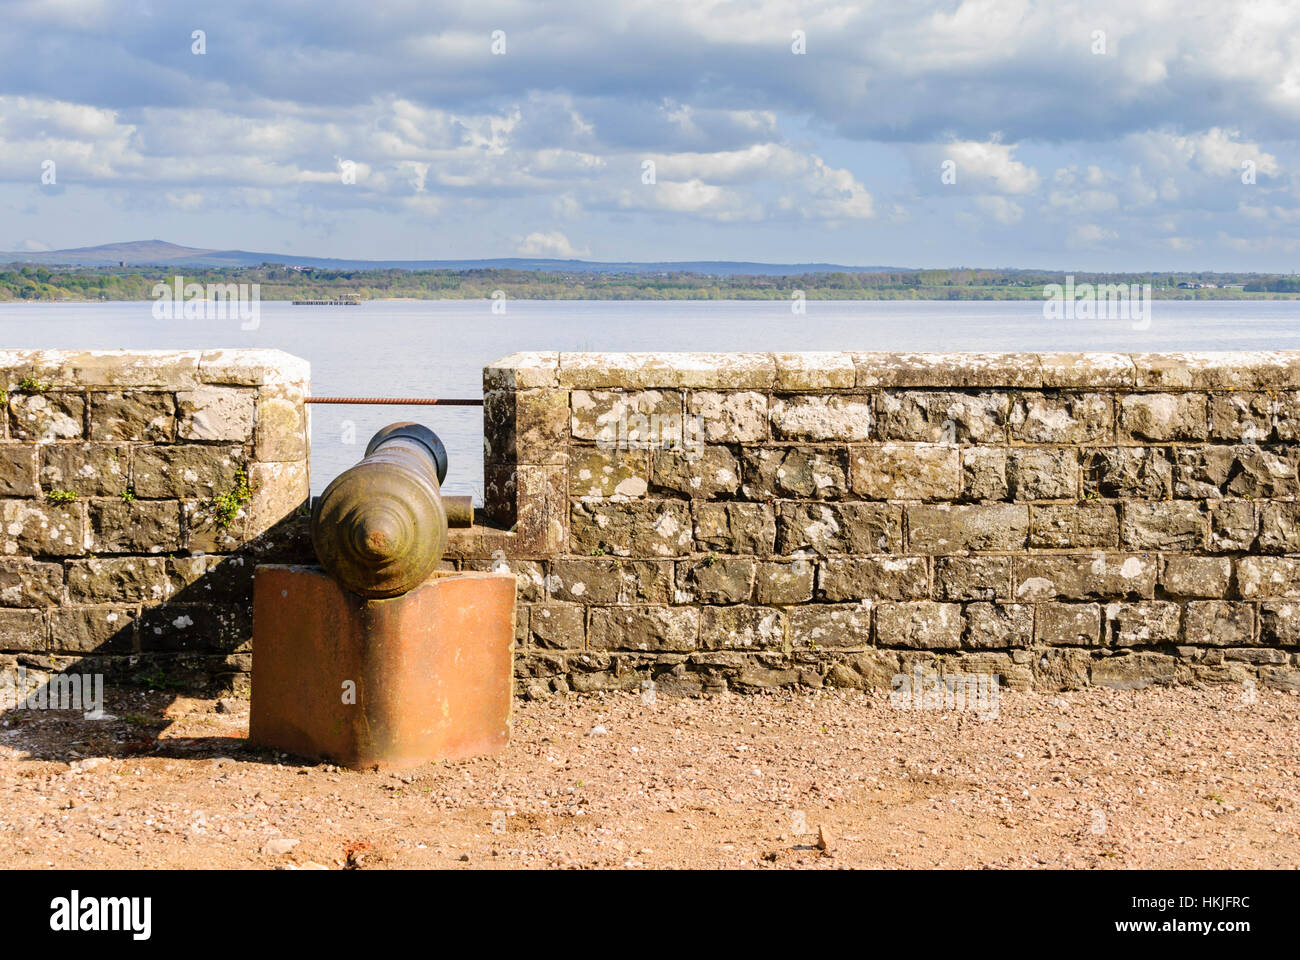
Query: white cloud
(992, 165)
(550, 245)
(1259, 245)
(834, 194)
(759, 161)
(1004, 211)
(1090, 235)
(972, 166)
(423, 205)
(1083, 202)
(1214, 152)
(188, 200)
(811, 188)
(567, 207)
(693, 197)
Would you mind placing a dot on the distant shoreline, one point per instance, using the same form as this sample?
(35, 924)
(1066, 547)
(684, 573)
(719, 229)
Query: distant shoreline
(274, 283)
(1210, 297)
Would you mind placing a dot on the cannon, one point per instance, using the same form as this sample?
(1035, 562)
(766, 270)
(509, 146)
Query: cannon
(380, 527)
(378, 658)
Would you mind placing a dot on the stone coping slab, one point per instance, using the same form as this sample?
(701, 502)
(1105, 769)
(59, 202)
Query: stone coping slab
(151, 369)
(864, 370)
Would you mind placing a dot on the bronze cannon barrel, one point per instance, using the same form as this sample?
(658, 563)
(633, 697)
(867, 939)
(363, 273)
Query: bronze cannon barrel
(380, 527)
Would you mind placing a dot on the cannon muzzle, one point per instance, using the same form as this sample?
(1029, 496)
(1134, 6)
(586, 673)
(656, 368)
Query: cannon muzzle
(380, 527)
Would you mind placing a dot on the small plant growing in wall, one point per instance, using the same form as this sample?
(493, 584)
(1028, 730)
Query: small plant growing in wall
(157, 680)
(62, 496)
(227, 506)
(31, 385)
(128, 494)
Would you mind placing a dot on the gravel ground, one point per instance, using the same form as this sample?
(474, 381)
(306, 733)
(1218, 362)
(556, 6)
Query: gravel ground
(1101, 778)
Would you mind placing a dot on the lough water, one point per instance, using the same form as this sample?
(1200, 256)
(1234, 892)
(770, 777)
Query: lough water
(438, 348)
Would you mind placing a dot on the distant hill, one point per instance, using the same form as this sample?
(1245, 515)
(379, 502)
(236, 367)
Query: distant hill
(110, 254)
(152, 253)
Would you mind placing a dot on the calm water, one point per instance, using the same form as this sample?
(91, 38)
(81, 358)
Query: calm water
(438, 348)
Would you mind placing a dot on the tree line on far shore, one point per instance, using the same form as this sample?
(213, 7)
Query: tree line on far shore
(276, 282)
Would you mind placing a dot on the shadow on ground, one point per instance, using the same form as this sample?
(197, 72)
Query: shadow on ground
(197, 642)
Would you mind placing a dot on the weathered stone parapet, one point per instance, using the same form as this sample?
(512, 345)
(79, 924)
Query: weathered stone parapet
(137, 490)
(785, 372)
(708, 521)
(749, 520)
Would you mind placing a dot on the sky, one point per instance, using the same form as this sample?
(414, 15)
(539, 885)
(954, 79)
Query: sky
(1128, 135)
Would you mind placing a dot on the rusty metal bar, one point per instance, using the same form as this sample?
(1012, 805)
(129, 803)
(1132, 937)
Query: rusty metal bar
(398, 401)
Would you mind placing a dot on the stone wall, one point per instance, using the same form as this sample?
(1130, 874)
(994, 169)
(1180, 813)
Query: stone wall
(733, 521)
(756, 520)
(137, 491)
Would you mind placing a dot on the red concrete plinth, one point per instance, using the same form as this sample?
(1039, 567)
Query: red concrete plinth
(385, 684)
